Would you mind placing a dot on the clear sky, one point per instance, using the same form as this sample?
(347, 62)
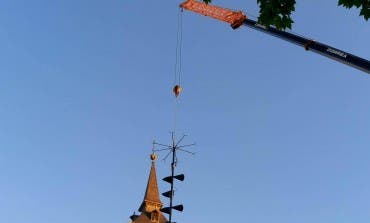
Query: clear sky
(283, 135)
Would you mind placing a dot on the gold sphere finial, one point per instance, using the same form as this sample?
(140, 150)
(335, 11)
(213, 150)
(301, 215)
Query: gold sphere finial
(153, 156)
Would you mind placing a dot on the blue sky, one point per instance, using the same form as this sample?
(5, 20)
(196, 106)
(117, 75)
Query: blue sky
(282, 134)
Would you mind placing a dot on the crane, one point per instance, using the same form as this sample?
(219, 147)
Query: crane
(238, 18)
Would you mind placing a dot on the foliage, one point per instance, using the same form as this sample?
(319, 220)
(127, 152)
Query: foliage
(277, 12)
(363, 4)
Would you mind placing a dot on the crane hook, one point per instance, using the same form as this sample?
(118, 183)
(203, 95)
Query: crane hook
(177, 90)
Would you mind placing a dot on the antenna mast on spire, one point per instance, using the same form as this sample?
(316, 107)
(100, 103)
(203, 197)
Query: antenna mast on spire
(173, 149)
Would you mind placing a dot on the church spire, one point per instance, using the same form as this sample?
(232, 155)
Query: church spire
(151, 198)
(151, 206)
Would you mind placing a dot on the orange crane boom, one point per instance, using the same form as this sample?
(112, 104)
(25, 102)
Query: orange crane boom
(238, 18)
(234, 18)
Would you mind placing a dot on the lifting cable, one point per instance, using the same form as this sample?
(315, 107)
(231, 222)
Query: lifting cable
(177, 74)
(177, 79)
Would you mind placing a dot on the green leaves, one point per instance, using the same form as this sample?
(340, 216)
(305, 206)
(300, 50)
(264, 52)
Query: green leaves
(350, 3)
(363, 4)
(277, 12)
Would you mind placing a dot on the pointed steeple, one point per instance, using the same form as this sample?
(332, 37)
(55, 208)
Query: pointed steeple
(151, 206)
(151, 197)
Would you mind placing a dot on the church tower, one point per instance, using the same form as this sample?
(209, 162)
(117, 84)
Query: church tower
(150, 207)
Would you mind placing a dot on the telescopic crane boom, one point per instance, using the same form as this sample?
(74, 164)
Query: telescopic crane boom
(238, 18)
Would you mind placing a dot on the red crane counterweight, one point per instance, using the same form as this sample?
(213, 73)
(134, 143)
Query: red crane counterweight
(234, 18)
